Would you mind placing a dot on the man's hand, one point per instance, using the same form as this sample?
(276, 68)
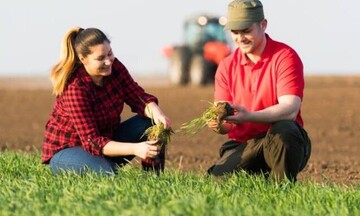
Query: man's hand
(222, 128)
(241, 115)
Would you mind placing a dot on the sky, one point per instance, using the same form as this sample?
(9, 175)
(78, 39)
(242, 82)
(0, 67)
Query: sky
(325, 33)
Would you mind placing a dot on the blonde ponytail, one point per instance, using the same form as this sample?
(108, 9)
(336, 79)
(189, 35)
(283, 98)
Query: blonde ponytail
(76, 42)
(61, 72)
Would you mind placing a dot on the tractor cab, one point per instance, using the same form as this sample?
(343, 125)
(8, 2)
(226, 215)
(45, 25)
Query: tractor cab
(205, 45)
(200, 30)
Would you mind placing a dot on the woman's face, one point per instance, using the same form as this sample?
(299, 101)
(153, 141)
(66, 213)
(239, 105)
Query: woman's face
(98, 63)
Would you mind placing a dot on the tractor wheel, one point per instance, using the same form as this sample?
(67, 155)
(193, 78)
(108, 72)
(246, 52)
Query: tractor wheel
(179, 66)
(200, 70)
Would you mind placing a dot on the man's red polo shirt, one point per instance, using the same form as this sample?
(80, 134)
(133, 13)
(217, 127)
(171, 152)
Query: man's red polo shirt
(258, 86)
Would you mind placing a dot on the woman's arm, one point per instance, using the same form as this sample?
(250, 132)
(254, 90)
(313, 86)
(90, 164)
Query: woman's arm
(143, 150)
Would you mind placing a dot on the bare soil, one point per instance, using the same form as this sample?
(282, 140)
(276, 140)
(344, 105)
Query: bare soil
(330, 111)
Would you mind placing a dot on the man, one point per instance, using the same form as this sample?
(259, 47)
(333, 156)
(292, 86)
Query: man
(263, 81)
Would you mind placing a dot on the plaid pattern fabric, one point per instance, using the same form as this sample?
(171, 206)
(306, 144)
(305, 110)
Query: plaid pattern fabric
(87, 114)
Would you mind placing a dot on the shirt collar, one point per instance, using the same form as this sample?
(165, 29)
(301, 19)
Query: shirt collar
(265, 56)
(83, 75)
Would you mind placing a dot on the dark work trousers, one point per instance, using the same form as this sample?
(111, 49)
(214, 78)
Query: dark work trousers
(282, 152)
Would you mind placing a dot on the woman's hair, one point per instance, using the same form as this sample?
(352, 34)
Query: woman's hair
(77, 41)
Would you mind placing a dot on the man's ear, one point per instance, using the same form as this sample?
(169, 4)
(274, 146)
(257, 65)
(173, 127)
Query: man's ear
(263, 24)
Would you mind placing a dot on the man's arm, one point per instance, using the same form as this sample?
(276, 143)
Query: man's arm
(287, 109)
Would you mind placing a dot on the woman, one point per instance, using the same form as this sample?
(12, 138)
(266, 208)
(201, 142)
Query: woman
(84, 131)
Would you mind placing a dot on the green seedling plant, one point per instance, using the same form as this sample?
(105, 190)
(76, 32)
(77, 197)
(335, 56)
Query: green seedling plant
(157, 132)
(160, 133)
(215, 112)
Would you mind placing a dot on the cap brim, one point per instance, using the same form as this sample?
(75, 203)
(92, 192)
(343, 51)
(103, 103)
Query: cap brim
(237, 25)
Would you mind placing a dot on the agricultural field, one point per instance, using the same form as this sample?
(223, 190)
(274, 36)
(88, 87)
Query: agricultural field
(332, 119)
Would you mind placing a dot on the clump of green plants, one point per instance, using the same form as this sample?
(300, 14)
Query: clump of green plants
(163, 136)
(216, 111)
(160, 133)
(157, 131)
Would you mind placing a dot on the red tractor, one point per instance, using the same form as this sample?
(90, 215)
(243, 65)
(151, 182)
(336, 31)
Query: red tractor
(205, 45)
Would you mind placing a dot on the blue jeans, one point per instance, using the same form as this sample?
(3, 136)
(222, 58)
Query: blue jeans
(77, 160)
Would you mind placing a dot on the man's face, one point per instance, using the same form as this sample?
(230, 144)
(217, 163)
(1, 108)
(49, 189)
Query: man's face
(250, 39)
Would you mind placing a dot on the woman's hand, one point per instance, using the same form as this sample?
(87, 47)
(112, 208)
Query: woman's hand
(161, 118)
(147, 149)
(153, 111)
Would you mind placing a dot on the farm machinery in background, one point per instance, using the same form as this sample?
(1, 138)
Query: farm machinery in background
(205, 45)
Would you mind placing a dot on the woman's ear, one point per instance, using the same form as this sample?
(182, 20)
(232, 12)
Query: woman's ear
(82, 59)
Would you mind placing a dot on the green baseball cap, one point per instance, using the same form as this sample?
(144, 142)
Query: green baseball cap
(243, 13)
